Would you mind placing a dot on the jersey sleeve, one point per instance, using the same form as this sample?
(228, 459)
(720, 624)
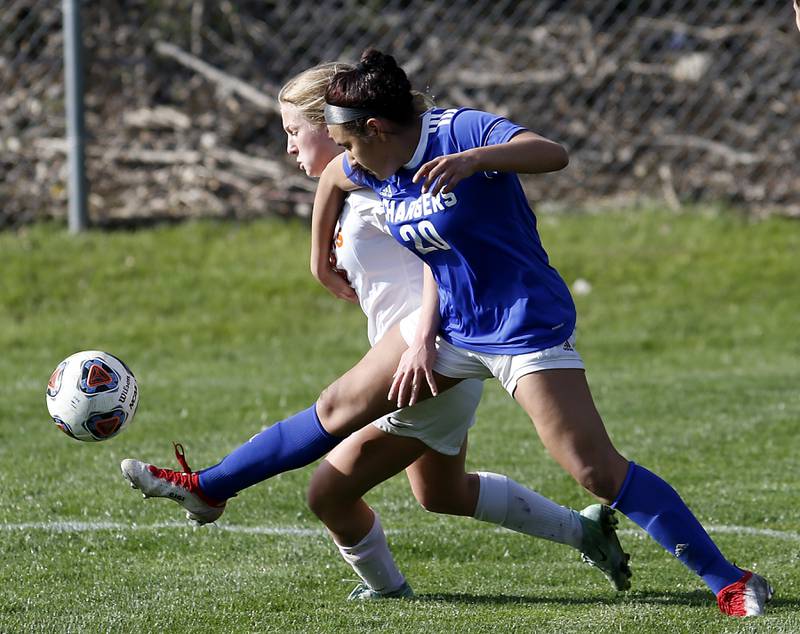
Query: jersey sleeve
(474, 128)
(359, 177)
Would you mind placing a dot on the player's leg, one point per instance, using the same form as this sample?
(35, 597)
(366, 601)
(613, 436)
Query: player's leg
(392, 442)
(363, 460)
(441, 485)
(565, 417)
(349, 403)
(561, 407)
(360, 395)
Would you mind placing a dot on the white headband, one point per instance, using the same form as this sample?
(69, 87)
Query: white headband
(334, 115)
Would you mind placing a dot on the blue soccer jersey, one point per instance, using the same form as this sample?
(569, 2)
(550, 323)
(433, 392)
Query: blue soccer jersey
(497, 290)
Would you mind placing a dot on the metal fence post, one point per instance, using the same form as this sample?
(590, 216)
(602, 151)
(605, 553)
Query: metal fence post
(73, 78)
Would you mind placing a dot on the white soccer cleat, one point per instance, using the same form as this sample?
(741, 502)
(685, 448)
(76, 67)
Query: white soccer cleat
(182, 487)
(362, 592)
(746, 597)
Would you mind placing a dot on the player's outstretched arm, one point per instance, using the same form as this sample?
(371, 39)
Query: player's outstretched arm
(526, 153)
(331, 191)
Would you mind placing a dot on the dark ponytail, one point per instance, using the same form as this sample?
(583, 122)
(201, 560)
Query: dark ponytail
(376, 84)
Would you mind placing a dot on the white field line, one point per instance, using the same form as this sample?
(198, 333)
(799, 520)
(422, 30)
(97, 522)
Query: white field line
(730, 530)
(92, 527)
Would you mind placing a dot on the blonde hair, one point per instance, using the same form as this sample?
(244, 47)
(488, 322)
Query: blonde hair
(306, 91)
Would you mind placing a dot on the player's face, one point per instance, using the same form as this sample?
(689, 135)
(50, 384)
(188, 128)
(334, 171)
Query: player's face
(308, 143)
(370, 152)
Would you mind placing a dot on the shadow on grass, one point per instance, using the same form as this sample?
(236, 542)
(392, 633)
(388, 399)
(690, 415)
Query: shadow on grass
(683, 598)
(697, 598)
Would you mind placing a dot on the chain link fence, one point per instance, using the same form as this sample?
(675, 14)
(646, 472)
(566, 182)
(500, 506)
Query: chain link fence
(31, 108)
(672, 101)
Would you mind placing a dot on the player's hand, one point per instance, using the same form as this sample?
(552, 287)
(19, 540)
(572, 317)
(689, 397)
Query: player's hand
(416, 365)
(444, 172)
(335, 280)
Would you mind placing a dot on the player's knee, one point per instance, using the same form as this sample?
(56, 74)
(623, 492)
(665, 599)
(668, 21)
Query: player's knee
(321, 496)
(316, 501)
(336, 406)
(327, 401)
(599, 481)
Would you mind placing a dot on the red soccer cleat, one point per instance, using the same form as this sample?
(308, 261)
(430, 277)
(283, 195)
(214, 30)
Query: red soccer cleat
(746, 597)
(183, 487)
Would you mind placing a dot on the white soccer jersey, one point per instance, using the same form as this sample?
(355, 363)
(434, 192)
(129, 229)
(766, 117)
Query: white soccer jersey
(387, 279)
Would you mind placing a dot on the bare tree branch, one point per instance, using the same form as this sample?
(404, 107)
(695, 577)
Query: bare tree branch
(268, 103)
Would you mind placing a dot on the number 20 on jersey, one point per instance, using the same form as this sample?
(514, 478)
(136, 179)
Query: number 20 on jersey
(425, 237)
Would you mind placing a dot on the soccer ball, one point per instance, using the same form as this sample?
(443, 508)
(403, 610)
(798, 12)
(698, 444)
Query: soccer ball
(92, 396)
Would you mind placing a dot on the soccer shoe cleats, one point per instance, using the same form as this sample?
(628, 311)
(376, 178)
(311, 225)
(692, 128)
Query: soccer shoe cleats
(746, 597)
(362, 592)
(601, 548)
(183, 487)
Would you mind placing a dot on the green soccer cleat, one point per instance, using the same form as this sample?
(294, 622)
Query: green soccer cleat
(362, 592)
(601, 548)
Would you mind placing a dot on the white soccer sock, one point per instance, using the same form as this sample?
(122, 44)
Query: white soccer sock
(509, 504)
(372, 560)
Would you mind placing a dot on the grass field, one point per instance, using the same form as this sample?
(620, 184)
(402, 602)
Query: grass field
(690, 334)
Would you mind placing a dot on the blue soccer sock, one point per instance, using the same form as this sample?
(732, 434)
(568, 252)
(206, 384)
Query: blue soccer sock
(289, 444)
(657, 508)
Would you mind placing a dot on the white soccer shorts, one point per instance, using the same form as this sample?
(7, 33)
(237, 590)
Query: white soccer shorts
(458, 362)
(442, 422)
